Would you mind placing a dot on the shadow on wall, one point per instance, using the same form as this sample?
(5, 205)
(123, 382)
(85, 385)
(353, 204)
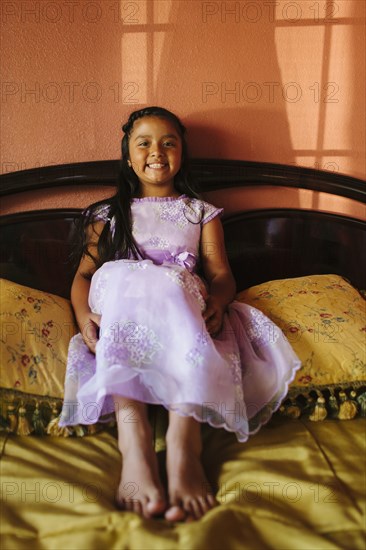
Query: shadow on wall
(257, 80)
(239, 134)
(356, 123)
(219, 140)
(225, 75)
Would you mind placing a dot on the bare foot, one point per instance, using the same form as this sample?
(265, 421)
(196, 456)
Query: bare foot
(190, 495)
(140, 490)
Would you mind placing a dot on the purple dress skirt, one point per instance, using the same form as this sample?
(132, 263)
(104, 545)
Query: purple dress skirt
(153, 345)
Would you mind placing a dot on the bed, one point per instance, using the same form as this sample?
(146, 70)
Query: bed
(296, 240)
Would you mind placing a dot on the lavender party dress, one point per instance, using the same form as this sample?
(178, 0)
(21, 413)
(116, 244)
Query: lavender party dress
(154, 346)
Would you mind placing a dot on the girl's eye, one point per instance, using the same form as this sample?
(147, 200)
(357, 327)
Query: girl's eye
(143, 144)
(169, 144)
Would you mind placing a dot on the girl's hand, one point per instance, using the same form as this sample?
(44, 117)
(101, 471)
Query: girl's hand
(213, 315)
(89, 327)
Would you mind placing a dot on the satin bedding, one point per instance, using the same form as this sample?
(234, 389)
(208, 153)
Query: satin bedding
(294, 485)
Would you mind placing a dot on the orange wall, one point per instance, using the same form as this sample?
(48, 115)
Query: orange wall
(257, 80)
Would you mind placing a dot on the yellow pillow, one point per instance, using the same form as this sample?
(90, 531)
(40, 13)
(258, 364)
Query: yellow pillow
(322, 316)
(324, 319)
(35, 331)
(36, 328)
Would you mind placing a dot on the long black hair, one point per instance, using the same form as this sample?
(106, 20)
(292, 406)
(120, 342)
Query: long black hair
(119, 242)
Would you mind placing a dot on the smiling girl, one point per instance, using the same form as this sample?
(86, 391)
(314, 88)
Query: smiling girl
(155, 332)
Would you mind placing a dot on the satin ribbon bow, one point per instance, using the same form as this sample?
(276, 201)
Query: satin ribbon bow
(185, 259)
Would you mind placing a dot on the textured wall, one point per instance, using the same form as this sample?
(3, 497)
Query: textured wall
(271, 81)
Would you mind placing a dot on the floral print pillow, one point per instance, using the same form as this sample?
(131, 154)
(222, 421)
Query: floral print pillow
(324, 319)
(35, 331)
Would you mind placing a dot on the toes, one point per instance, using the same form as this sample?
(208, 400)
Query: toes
(144, 507)
(120, 503)
(191, 509)
(137, 507)
(204, 505)
(155, 508)
(211, 500)
(195, 508)
(148, 502)
(207, 503)
(128, 505)
(175, 513)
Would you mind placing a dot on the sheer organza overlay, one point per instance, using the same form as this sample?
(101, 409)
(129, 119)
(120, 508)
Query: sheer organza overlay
(153, 344)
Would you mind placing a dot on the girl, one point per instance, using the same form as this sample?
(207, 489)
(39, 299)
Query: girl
(153, 331)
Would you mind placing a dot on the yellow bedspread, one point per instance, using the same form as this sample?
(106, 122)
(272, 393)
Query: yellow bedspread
(294, 485)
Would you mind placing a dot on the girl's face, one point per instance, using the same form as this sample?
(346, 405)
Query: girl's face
(155, 149)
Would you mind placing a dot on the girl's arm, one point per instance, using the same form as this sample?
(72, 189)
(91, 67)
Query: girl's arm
(218, 274)
(87, 321)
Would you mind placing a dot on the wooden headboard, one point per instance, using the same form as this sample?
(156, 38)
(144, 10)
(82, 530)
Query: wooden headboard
(280, 221)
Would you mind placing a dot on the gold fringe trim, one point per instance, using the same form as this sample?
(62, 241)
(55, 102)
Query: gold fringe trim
(54, 429)
(23, 427)
(334, 402)
(348, 407)
(26, 414)
(320, 412)
(12, 417)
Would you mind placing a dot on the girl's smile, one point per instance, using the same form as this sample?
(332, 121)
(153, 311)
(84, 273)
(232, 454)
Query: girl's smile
(155, 149)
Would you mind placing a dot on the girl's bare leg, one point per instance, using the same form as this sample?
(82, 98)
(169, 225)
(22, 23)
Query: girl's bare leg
(190, 495)
(140, 489)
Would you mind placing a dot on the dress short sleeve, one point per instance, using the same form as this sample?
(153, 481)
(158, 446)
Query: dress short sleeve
(210, 211)
(102, 214)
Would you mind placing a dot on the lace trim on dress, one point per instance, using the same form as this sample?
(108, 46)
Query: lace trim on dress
(158, 199)
(214, 415)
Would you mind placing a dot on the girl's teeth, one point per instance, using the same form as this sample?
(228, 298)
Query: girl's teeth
(156, 165)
